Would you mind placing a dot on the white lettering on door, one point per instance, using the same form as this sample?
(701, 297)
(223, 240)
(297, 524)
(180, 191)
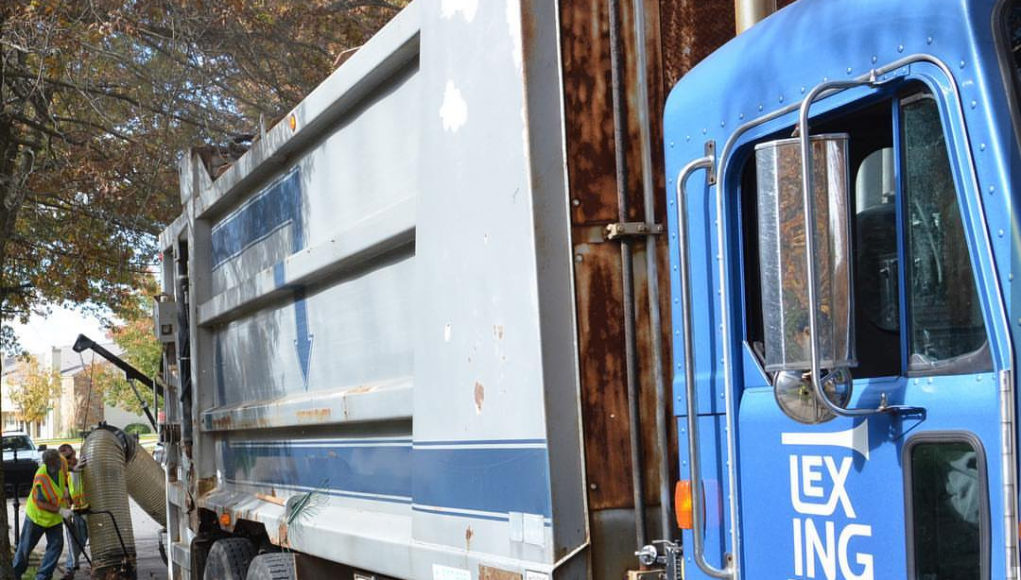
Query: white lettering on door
(821, 550)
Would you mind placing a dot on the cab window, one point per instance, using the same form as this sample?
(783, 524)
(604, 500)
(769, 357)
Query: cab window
(943, 306)
(916, 307)
(947, 511)
(1009, 44)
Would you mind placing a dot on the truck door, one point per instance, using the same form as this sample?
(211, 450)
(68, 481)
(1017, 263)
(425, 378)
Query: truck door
(888, 494)
(912, 486)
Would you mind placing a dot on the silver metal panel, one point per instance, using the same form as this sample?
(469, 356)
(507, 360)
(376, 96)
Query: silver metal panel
(366, 165)
(381, 401)
(554, 268)
(357, 332)
(347, 248)
(403, 347)
(389, 51)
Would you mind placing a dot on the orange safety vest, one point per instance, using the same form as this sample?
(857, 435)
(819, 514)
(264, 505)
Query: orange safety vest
(52, 492)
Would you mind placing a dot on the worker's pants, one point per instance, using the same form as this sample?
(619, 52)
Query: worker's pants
(76, 542)
(31, 533)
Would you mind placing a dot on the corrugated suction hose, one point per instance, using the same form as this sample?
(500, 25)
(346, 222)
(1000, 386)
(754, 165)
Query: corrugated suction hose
(110, 532)
(117, 466)
(147, 484)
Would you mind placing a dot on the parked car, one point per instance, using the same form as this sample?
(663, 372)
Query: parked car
(21, 459)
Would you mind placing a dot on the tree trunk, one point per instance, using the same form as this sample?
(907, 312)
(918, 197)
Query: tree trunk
(10, 200)
(6, 567)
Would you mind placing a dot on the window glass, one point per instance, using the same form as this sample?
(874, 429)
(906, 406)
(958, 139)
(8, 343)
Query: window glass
(876, 218)
(1014, 33)
(943, 308)
(16, 443)
(946, 509)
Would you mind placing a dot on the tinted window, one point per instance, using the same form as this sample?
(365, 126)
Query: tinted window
(1014, 33)
(947, 510)
(876, 217)
(943, 307)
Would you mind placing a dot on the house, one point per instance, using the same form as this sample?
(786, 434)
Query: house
(78, 407)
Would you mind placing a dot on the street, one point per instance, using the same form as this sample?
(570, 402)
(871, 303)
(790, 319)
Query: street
(150, 565)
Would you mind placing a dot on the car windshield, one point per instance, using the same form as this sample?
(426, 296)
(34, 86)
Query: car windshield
(17, 443)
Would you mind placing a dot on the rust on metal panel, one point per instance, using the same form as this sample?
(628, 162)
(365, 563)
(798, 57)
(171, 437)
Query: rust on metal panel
(604, 398)
(692, 30)
(588, 110)
(490, 573)
(272, 499)
(592, 173)
(224, 422)
(361, 390)
(206, 485)
(282, 540)
(314, 416)
(480, 396)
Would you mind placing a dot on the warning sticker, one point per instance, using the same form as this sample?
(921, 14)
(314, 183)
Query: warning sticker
(448, 573)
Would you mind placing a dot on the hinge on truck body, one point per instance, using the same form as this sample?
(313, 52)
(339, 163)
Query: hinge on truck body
(631, 229)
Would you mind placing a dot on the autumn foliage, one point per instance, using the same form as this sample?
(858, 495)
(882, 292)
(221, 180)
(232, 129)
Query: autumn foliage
(97, 101)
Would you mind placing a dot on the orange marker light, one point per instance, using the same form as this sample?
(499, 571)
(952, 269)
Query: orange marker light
(293, 122)
(225, 520)
(682, 504)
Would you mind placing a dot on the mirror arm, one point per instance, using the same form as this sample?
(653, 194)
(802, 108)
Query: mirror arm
(809, 200)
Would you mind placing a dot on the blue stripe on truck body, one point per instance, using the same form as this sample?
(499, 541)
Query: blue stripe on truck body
(276, 206)
(481, 478)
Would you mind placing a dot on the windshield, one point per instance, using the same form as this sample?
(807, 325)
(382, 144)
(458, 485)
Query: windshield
(17, 443)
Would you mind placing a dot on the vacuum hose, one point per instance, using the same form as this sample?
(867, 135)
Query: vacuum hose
(107, 492)
(147, 484)
(116, 467)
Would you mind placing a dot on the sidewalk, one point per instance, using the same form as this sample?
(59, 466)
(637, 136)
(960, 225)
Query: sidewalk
(150, 565)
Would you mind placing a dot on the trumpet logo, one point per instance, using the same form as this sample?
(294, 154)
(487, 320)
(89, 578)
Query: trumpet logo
(855, 439)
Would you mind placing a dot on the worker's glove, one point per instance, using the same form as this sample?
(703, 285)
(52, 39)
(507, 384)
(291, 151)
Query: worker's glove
(65, 513)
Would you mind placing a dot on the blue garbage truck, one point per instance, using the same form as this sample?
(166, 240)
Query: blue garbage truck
(530, 290)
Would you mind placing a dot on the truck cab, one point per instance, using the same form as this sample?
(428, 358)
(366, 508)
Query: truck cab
(846, 401)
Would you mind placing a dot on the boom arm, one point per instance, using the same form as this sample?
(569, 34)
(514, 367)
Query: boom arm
(130, 372)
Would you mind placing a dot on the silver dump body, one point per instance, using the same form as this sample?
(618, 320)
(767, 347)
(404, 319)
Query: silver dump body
(381, 313)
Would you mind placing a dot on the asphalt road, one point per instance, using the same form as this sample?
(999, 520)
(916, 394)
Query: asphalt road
(150, 565)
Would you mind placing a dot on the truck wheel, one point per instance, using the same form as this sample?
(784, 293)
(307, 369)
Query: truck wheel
(278, 566)
(229, 559)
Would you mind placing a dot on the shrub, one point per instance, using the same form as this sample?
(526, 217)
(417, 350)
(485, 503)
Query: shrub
(138, 429)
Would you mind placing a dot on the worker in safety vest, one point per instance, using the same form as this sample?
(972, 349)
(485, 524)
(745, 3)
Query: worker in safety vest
(77, 530)
(46, 509)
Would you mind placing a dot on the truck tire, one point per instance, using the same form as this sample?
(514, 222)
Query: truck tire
(229, 559)
(277, 566)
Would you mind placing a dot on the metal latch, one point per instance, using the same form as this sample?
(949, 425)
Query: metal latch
(629, 229)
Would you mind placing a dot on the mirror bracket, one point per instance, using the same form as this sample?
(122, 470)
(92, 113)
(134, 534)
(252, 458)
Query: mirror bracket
(804, 136)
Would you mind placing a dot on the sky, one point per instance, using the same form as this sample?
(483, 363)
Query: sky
(60, 328)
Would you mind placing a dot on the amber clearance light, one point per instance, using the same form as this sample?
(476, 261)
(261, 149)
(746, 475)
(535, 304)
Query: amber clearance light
(682, 504)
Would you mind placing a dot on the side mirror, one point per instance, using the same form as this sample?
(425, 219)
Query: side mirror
(41, 448)
(785, 278)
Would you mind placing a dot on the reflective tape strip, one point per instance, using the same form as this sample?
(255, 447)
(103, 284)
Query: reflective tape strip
(47, 487)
